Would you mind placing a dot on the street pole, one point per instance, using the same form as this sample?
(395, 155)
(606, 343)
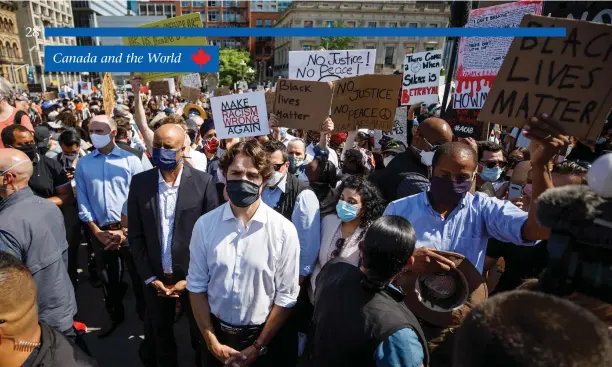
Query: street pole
(13, 73)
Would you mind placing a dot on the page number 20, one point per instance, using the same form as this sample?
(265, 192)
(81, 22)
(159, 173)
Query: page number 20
(32, 32)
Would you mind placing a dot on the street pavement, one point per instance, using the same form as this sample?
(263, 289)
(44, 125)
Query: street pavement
(120, 349)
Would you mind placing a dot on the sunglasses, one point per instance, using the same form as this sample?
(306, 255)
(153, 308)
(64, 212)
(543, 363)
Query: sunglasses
(278, 166)
(493, 164)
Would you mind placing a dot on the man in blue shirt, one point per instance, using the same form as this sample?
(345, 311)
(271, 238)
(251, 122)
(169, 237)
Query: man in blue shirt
(450, 218)
(102, 184)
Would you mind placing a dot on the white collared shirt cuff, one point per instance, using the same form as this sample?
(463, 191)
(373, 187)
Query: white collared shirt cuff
(284, 300)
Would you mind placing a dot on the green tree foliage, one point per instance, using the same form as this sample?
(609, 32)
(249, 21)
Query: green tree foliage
(337, 43)
(234, 66)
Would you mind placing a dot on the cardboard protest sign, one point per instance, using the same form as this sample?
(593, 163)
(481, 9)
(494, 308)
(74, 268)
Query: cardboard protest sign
(49, 96)
(302, 104)
(270, 96)
(565, 77)
(421, 77)
(192, 20)
(240, 115)
(465, 123)
(159, 88)
(222, 91)
(399, 131)
(324, 66)
(108, 93)
(191, 94)
(481, 57)
(191, 80)
(367, 101)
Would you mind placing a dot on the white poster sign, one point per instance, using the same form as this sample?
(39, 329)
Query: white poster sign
(192, 80)
(240, 115)
(83, 88)
(171, 85)
(399, 131)
(421, 77)
(327, 66)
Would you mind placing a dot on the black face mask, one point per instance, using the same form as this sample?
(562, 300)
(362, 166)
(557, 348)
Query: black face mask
(30, 150)
(242, 193)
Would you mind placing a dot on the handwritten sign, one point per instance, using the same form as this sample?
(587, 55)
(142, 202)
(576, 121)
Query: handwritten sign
(421, 77)
(324, 66)
(240, 115)
(159, 87)
(192, 80)
(367, 101)
(270, 96)
(565, 77)
(222, 91)
(192, 20)
(301, 104)
(481, 57)
(399, 131)
(190, 94)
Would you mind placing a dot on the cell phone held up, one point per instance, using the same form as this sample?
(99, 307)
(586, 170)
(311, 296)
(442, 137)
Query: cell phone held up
(515, 191)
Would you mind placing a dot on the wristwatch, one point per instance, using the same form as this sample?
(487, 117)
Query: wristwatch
(261, 350)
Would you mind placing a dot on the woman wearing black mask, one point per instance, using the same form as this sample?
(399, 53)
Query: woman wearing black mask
(48, 179)
(322, 177)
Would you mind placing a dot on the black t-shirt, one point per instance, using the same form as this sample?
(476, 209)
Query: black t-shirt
(522, 262)
(48, 174)
(389, 179)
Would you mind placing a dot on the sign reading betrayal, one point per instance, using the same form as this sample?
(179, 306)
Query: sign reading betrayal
(367, 101)
(326, 66)
(301, 104)
(158, 59)
(421, 77)
(240, 115)
(565, 77)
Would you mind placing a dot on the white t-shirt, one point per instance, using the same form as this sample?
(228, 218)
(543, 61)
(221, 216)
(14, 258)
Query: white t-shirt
(522, 141)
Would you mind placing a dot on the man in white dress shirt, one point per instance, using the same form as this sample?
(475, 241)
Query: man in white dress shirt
(244, 268)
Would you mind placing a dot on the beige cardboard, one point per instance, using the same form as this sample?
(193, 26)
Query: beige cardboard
(366, 101)
(190, 94)
(108, 93)
(222, 91)
(270, 100)
(159, 88)
(565, 77)
(301, 104)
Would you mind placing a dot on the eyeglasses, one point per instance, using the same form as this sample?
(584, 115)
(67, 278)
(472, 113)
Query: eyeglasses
(493, 164)
(278, 166)
(432, 147)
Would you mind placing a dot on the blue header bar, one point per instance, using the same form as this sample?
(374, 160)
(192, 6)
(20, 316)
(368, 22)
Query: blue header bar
(145, 59)
(305, 32)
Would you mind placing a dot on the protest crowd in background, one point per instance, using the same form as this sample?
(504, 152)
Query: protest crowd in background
(307, 224)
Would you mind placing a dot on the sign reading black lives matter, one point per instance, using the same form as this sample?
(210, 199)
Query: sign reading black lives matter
(302, 104)
(565, 77)
(240, 115)
(367, 101)
(327, 66)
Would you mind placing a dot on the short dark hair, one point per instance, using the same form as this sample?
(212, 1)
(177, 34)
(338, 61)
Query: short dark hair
(488, 146)
(454, 149)
(16, 282)
(123, 127)
(388, 246)
(524, 151)
(274, 145)
(8, 133)
(524, 328)
(326, 170)
(569, 168)
(252, 149)
(69, 138)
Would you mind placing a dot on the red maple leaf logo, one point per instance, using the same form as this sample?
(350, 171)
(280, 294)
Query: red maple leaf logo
(200, 57)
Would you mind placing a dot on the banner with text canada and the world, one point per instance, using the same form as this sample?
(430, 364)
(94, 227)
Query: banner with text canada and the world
(421, 77)
(327, 66)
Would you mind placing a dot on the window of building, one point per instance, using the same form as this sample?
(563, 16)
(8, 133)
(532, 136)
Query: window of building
(433, 25)
(259, 7)
(370, 47)
(392, 24)
(258, 51)
(167, 9)
(413, 25)
(238, 44)
(213, 16)
(268, 22)
(258, 23)
(228, 16)
(143, 9)
(213, 42)
(429, 48)
(213, 3)
(389, 53)
(199, 4)
(371, 24)
(307, 47)
(267, 51)
(186, 3)
(350, 24)
(308, 24)
(238, 17)
(329, 23)
(159, 9)
(228, 3)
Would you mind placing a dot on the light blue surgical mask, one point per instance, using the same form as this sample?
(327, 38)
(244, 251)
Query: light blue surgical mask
(491, 174)
(346, 212)
(283, 132)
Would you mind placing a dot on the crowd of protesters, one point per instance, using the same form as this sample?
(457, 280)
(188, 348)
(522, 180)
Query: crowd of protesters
(299, 248)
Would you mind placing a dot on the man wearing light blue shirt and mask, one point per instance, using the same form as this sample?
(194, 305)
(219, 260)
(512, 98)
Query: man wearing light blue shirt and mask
(449, 218)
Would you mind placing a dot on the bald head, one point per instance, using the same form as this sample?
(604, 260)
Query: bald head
(169, 136)
(436, 131)
(19, 166)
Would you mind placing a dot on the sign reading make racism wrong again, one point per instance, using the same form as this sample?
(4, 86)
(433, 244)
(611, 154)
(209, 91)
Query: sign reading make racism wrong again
(240, 115)
(565, 77)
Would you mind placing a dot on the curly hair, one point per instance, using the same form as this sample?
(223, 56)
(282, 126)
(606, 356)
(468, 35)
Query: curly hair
(252, 149)
(67, 118)
(371, 200)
